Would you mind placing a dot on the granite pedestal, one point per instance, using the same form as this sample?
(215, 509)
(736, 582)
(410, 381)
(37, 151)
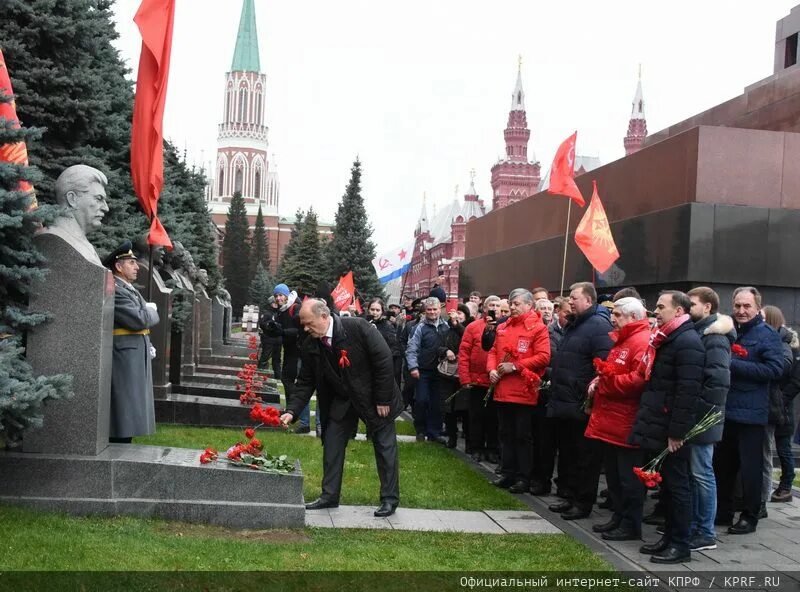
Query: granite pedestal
(188, 334)
(204, 323)
(160, 334)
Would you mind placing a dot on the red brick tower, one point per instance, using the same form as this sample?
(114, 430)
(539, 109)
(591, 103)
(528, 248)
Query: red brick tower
(637, 126)
(515, 177)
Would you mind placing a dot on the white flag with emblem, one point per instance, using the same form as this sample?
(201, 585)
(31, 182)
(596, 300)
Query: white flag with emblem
(394, 263)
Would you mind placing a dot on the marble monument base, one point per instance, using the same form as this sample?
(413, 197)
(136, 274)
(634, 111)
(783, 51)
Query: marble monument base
(153, 482)
(198, 411)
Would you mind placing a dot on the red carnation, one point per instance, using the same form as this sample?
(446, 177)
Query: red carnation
(205, 459)
(256, 443)
(253, 356)
(738, 350)
(249, 433)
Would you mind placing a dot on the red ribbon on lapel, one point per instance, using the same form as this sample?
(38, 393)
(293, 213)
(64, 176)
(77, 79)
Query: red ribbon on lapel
(344, 361)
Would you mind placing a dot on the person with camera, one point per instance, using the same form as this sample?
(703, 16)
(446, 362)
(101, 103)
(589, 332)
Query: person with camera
(271, 340)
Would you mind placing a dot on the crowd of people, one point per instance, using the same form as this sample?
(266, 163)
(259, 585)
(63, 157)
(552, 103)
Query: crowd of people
(557, 392)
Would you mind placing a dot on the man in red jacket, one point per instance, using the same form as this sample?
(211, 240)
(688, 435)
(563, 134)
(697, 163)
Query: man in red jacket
(615, 393)
(472, 372)
(516, 364)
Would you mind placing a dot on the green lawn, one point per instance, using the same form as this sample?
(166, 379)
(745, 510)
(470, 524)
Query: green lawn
(44, 541)
(431, 476)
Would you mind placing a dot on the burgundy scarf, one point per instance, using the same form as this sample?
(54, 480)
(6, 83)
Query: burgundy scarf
(657, 338)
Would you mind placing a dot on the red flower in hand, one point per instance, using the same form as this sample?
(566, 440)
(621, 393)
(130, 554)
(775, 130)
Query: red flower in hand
(344, 361)
(249, 433)
(738, 350)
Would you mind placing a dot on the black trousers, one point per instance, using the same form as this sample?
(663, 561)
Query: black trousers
(677, 498)
(625, 489)
(482, 421)
(741, 450)
(289, 371)
(334, 441)
(516, 440)
(271, 351)
(581, 459)
(544, 445)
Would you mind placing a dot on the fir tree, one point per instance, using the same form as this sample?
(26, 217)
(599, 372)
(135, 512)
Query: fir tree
(236, 253)
(70, 80)
(182, 209)
(260, 243)
(261, 287)
(351, 248)
(21, 394)
(289, 258)
(308, 271)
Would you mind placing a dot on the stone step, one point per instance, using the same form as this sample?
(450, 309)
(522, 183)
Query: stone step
(204, 389)
(224, 380)
(203, 411)
(228, 370)
(228, 361)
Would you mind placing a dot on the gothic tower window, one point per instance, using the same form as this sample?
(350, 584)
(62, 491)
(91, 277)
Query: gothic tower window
(221, 181)
(242, 105)
(238, 177)
(257, 183)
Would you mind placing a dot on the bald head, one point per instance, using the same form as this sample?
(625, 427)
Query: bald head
(315, 317)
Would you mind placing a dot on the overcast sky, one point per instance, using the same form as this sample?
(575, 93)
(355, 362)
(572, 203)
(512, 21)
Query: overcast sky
(420, 90)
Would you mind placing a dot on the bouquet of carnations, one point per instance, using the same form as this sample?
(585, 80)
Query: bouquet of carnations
(649, 474)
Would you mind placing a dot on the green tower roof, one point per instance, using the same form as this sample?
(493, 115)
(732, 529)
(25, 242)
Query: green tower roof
(245, 56)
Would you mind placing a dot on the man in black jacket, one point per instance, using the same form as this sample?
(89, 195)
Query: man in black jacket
(572, 369)
(350, 366)
(271, 340)
(673, 367)
(717, 334)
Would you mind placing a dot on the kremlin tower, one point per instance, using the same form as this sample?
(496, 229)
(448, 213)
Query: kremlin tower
(637, 126)
(515, 177)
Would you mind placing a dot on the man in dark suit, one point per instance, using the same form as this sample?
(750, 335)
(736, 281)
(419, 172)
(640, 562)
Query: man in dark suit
(350, 366)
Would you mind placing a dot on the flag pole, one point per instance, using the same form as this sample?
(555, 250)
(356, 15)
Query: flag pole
(150, 276)
(564, 262)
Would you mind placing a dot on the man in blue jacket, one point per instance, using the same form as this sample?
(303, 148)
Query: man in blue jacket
(756, 360)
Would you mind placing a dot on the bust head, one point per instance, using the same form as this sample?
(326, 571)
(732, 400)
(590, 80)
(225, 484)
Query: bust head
(202, 277)
(142, 250)
(81, 189)
(175, 257)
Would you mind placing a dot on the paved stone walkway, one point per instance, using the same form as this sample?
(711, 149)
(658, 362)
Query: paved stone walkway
(488, 521)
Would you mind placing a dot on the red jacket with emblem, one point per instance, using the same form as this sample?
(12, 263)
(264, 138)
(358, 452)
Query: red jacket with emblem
(472, 357)
(617, 396)
(525, 342)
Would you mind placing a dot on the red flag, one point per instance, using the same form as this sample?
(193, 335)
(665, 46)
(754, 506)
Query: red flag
(593, 235)
(14, 153)
(357, 304)
(154, 19)
(342, 294)
(562, 173)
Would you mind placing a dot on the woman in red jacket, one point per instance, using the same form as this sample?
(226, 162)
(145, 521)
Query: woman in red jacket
(516, 364)
(482, 437)
(615, 395)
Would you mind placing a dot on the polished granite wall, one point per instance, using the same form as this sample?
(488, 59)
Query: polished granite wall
(678, 248)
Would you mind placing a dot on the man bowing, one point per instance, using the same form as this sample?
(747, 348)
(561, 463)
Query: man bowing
(350, 366)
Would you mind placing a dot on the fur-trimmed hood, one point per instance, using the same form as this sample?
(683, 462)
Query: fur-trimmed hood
(789, 336)
(723, 325)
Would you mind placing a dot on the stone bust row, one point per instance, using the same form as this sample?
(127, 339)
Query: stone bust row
(81, 191)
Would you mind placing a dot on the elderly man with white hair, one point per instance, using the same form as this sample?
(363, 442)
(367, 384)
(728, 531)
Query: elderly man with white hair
(616, 392)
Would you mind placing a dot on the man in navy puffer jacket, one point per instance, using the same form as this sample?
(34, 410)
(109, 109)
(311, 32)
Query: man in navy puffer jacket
(586, 337)
(756, 360)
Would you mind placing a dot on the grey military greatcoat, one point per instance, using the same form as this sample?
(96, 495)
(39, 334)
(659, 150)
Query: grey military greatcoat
(132, 411)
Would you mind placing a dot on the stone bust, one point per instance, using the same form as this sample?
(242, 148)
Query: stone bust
(201, 280)
(81, 192)
(142, 250)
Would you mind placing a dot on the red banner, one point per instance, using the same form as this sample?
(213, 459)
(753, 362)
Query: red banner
(344, 292)
(562, 173)
(593, 235)
(14, 153)
(154, 19)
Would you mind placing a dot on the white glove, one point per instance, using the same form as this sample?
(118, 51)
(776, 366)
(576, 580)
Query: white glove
(151, 305)
(152, 352)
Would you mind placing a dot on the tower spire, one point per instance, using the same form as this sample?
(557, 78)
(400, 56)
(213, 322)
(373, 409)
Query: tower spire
(245, 56)
(518, 96)
(637, 126)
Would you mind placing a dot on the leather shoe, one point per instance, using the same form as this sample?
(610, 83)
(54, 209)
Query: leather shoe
(519, 487)
(321, 504)
(540, 489)
(671, 555)
(620, 534)
(612, 524)
(385, 510)
(560, 506)
(503, 482)
(652, 548)
(781, 495)
(743, 526)
(575, 513)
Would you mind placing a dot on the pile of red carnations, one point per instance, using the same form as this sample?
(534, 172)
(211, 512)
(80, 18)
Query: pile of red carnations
(251, 378)
(251, 453)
